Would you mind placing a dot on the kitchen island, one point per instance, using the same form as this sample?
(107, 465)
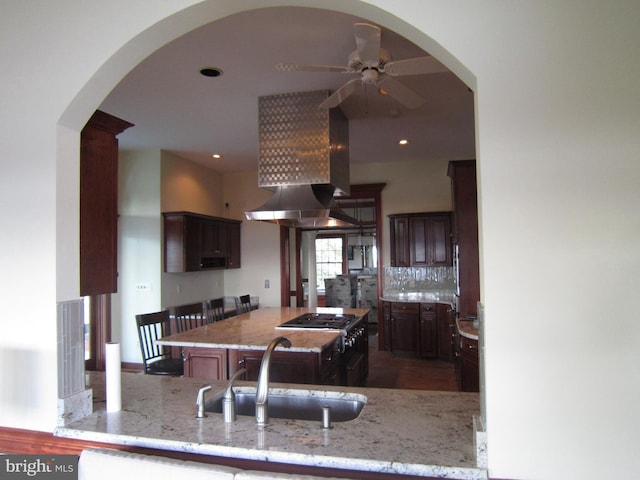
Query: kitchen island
(317, 355)
(406, 432)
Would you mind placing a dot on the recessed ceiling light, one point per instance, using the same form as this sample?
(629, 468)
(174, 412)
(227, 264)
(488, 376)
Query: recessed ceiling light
(403, 141)
(211, 72)
(216, 155)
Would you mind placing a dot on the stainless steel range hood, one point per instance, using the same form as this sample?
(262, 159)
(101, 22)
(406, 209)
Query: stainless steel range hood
(310, 206)
(304, 159)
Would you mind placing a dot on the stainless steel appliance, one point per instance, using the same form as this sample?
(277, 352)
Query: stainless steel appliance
(352, 346)
(326, 321)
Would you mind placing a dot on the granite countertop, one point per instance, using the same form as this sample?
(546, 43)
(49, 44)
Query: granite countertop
(399, 431)
(466, 328)
(255, 330)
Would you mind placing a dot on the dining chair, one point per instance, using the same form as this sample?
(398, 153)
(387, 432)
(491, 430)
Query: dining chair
(157, 359)
(191, 315)
(214, 310)
(243, 304)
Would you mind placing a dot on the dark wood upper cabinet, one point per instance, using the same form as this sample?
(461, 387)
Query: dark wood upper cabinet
(421, 239)
(194, 242)
(99, 204)
(465, 233)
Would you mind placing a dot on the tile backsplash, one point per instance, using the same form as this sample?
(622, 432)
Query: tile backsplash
(418, 279)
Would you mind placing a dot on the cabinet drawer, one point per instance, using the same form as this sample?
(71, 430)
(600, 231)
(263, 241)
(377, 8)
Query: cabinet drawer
(427, 308)
(406, 308)
(469, 348)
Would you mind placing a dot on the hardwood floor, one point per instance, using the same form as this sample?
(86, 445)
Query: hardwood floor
(389, 371)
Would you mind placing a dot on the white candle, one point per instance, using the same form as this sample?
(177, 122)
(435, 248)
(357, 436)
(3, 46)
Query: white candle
(113, 382)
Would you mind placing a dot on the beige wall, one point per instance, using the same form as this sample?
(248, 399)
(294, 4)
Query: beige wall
(410, 187)
(188, 186)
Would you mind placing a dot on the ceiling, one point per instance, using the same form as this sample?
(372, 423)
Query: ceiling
(177, 109)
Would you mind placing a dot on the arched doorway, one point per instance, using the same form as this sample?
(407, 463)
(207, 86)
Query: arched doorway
(182, 21)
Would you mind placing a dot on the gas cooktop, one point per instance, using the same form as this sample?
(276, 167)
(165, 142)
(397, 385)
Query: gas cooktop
(330, 321)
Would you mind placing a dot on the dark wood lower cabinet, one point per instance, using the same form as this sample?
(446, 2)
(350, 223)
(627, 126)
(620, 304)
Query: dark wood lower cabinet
(210, 363)
(410, 329)
(285, 367)
(405, 328)
(329, 367)
(428, 331)
(467, 364)
(446, 326)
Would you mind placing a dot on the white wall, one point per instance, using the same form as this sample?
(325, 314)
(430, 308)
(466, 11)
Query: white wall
(139, 247)
(557, 142)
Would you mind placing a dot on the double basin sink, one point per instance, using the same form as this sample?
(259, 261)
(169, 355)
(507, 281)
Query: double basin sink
(294, 404)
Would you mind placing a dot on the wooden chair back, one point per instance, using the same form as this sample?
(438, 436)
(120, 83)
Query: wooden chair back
(243, 304)
(189, 316)
(157, 359)
(214, 310)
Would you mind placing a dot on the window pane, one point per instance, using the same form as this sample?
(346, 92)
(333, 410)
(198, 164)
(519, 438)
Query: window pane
(328, 259)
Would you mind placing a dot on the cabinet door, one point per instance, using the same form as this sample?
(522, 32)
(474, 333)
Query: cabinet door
(428, 331)
(419, 242)
(405, 329)
(439, 238)
(208, 363)
(445, 325)
(470, 374)
(234, 245)
(192, 244)
(404, 334)
(400, 256)
(384, 341)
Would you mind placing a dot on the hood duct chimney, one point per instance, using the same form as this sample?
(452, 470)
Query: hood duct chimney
(304, 159)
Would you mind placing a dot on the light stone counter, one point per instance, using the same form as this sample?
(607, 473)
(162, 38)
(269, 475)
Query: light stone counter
(254, 330)
(399, 431)
(466, 328)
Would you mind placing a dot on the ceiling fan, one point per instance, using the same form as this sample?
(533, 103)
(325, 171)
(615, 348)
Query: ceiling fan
(374, 66)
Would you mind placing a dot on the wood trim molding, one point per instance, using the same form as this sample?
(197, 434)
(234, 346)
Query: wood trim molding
(285, 278)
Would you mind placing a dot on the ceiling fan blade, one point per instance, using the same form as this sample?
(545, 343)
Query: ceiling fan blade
(293, 67)
(398, 91)
(341, 94)
(414, 66)
(367, 43)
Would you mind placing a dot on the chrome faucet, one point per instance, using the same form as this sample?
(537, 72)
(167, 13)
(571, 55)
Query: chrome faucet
(229, 398)
(262, 392)
(200, 401)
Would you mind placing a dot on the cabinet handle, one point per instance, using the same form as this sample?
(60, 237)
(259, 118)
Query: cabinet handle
(471, 347)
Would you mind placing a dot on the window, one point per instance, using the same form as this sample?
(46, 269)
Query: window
(329, 258)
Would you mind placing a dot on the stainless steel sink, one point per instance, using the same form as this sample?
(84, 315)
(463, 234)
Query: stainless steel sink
(295, 404)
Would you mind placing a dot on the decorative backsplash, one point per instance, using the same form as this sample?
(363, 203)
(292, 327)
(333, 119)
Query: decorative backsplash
(418, 279)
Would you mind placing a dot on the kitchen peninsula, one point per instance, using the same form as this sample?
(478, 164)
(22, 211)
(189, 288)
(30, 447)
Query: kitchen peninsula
(404, 432)
(408, 433)
(319, 355)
